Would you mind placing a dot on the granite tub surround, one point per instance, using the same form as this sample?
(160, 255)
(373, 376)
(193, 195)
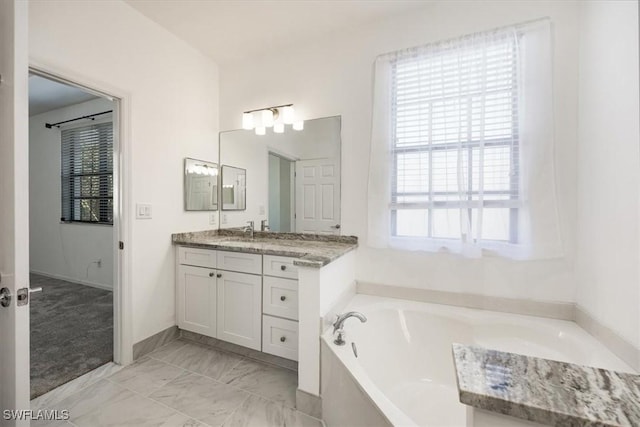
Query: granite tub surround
(545, 391)
(311, 250)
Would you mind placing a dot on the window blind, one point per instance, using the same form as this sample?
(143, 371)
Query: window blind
(455, 140)
(87, 174)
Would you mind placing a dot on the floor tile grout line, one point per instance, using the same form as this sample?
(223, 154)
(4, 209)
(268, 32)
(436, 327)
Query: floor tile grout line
(150, 399)
(228, 385)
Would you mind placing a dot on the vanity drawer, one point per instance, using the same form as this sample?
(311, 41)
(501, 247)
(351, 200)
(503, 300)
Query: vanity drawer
(197, 257)
(280, 337)
(280, 297)
(240, 262)
(280, 266)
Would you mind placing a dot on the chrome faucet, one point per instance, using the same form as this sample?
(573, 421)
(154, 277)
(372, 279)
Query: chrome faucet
(338, 329)
(249, 228)
(264, 226)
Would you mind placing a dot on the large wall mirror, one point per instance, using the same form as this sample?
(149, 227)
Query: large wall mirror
(200, 185)
(292, 178)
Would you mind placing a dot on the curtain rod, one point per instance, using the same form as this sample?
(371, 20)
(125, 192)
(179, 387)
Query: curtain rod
(90, 116)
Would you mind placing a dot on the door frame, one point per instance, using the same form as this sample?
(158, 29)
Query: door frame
(122, 292)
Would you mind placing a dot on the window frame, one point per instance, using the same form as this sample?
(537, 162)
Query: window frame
(70, 179)
(513, 143)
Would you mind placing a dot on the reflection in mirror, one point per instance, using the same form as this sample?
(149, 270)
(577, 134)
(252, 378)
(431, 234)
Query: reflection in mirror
(200, 185)
(234, 193)
(293, 178)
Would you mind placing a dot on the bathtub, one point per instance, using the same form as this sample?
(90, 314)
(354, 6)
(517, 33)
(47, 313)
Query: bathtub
(404, 373)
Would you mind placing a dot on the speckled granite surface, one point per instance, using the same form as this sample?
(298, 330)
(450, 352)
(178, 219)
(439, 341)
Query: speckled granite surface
(312, 250)
(545, 391)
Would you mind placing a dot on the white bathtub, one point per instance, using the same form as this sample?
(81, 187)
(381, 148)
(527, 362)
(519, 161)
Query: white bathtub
(405, 367)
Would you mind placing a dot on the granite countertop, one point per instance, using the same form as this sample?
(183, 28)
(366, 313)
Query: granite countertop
(546, 391)
(312, 250)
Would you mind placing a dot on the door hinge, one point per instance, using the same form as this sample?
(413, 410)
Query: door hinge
(121, 245)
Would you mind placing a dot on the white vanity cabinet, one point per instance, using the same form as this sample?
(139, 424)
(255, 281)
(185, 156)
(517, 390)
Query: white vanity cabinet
(219, 294)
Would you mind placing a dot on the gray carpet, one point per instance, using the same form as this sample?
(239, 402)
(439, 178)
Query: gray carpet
(71, 332)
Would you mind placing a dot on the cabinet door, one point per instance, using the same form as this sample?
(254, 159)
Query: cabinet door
(240, 308)
(197, 297)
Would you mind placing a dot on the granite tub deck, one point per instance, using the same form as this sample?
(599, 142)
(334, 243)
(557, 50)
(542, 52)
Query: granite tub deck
(545, 391)
(311, 250)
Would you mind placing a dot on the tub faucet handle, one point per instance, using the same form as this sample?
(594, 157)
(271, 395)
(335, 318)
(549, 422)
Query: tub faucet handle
(340, 335)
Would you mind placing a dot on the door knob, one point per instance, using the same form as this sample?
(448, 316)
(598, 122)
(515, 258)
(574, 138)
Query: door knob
(219, 275)
(282, 298)
(283, 339)
(24, 293)
(283, 267)
(337, 226)
(211, 274)
(5, 297)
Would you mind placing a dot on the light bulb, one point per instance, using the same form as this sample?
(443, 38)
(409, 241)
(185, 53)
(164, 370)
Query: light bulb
(267, 118)
(299, 125)
(247, 121)
(287, 115)
(261, 130)
(278, 127)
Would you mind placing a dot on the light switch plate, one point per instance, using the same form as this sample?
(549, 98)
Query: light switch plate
(224, 218)
(143, 211)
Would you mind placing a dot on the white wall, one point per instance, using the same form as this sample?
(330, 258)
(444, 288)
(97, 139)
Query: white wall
(609, 167)
(334, 77)
(65, 251)
(171, 91)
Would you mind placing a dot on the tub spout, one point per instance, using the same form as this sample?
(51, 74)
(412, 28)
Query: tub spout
(338, 329)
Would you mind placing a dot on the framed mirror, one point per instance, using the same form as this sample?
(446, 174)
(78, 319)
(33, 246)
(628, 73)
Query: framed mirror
(293, 179)
(234, 188)
(200, 185)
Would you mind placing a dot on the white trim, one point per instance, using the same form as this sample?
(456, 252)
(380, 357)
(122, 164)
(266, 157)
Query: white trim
(122, 292)
(74, 280)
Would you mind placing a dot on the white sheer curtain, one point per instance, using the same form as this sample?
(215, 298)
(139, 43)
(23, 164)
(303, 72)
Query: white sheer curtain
(462, 147)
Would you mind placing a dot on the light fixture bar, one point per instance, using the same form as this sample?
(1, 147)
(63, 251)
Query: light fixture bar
(269, 108)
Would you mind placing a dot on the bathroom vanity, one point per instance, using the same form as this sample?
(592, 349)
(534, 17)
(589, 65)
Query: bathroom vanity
(245, 290)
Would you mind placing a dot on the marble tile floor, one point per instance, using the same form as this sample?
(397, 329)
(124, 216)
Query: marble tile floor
(183, 384)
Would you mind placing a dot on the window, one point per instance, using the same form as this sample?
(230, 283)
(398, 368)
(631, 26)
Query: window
(87, 174)
(455, 152)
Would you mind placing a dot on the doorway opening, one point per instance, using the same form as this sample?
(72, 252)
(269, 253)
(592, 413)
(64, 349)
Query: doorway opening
(282, 206)
(72, 228)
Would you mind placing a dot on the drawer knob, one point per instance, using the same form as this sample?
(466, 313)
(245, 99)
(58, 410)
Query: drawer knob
(219, 275)
(283, 267)
(283, 339)
(282, 298)
(211, 274)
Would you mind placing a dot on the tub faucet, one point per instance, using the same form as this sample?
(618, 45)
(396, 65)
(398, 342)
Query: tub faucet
(249, 228)
(264, 226)
(338, 329)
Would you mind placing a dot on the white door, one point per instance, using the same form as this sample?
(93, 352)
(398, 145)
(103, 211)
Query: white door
(14, 208)
(318, 196)
(197, 296)
(240, 309)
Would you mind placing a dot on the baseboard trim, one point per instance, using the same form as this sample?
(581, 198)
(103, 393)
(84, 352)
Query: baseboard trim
(238, 349)
(309, 404)
(155, 341)
(74, 280)
(607, 336)
(550, 309)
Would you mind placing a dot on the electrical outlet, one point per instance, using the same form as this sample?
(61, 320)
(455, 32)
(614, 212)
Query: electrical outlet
(143, 211)
(213, 218)
(261, 210)
(224, 218)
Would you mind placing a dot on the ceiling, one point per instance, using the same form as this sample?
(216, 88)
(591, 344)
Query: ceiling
(232, 30)
(46, 95)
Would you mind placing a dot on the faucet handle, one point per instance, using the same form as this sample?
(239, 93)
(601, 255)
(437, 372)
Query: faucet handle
(250, 223)
(340, 335)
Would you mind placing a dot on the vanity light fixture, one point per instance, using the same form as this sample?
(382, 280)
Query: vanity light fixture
(276, 117)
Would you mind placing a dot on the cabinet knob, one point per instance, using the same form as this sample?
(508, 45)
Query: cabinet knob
(283, 267)
(219, 275)
(282, 298)
(283, 339)
(211, 274)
